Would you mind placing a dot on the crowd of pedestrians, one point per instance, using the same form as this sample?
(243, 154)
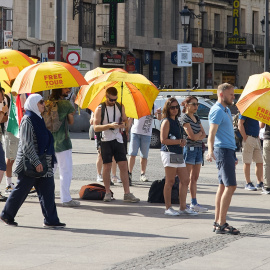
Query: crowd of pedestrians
(181, 137)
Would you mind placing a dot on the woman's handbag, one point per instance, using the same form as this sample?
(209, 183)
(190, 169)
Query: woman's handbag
(30, 169)
(176, 158)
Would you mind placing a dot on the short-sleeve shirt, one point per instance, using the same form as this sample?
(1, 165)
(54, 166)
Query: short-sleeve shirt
(222, 116)
(143, 126)
(62, 140)
(252, 127)
(196, 128)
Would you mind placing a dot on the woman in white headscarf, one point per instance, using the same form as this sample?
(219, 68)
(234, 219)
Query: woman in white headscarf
(35, 140)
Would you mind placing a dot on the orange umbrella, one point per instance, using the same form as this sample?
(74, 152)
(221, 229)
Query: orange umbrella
(84, 94)
(255, 99)
(46, 76)
(13, 58)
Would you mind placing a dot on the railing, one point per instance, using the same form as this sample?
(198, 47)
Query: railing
(218, 39)
(193, 37)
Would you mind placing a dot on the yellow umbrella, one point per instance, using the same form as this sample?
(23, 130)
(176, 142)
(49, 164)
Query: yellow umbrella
(84, 94)
(46, 76)
(254, 102)
(135, 91)
(99, 71)
(13, 58)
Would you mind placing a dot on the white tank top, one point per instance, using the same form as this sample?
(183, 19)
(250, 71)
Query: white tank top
(110, 135)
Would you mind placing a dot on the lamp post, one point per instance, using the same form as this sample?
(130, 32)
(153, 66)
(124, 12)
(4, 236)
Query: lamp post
(185, 18)
(202, 11)
(266, 38)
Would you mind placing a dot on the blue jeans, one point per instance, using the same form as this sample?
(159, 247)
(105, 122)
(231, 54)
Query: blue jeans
(139, 141)
(194, 156)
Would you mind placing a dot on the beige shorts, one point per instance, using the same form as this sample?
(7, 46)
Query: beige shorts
(252, 150)
(165, 158)
(10, 145)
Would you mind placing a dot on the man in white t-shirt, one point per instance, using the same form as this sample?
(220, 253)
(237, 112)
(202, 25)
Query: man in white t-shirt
(141, 132)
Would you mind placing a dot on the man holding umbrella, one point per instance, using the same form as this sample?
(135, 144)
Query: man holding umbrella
(112, 142)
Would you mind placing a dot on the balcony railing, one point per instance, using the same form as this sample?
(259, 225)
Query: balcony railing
(218, 39)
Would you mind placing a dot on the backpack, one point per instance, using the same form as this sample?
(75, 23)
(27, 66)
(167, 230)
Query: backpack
(155, 194)
(93, 192)
(51, 116)
(235, 126)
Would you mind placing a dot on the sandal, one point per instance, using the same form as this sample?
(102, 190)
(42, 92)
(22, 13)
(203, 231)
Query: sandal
(226, 229)
(215, 226)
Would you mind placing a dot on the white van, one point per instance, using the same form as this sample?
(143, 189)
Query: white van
(203, 111)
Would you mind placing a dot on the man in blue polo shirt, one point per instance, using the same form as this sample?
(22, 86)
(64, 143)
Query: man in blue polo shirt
(221, 147)
(251, 145)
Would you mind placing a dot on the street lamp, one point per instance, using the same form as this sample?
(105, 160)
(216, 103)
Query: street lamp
(266, 38)
(185, 18)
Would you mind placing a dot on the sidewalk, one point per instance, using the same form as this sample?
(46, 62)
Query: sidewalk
(119, 235)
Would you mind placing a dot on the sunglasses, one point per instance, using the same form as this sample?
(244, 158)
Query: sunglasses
(112, 99)
(41, 101)
(194, 104)
(175, 107)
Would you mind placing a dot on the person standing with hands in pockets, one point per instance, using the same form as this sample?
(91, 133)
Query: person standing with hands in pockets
(221, 148)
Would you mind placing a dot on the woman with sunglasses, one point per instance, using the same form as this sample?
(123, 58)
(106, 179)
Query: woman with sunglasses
(35, 141)
(172, 142)
(193, 154)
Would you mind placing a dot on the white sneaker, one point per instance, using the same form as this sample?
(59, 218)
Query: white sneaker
(188, 212)
(198, 208)
(143, 178)
(99, 178)
(116, 179)
(71, 203)
(171, 212)
(265, 191)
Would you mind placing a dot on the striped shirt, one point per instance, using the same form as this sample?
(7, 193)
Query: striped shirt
(196, 128)
(28, 147)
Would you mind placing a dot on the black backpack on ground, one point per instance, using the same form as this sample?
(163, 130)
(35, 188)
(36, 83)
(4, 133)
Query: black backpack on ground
(155, 194)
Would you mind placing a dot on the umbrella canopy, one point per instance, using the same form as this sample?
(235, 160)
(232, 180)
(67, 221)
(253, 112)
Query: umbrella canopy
(84, 94)
(135, 91)
(13, 58)
(254, 102)
(99, 71)
(46, 76)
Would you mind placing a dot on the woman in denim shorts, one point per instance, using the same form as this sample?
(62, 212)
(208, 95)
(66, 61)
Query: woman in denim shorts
(193, 154)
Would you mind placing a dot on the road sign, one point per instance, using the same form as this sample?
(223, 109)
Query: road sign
(73, 58)
(184, 55)
(236, 41)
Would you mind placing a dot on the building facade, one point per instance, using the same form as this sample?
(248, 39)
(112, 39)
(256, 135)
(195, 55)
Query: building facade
(142, 36)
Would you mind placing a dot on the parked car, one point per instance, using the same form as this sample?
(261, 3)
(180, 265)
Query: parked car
(203, 111)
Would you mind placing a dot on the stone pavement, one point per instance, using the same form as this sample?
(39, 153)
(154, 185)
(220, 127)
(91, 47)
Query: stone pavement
(119, 235)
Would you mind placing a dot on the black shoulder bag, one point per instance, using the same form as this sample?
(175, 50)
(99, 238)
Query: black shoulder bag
(30, 170)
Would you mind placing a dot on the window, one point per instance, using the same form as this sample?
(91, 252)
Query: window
(174, 19)
(243, 21)
(88, 25)
(217, 22)
(140, 8)
(34, 18)
(64, 20)
(203, 112)
(229, 25)
(5, 22)
(157, 18)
